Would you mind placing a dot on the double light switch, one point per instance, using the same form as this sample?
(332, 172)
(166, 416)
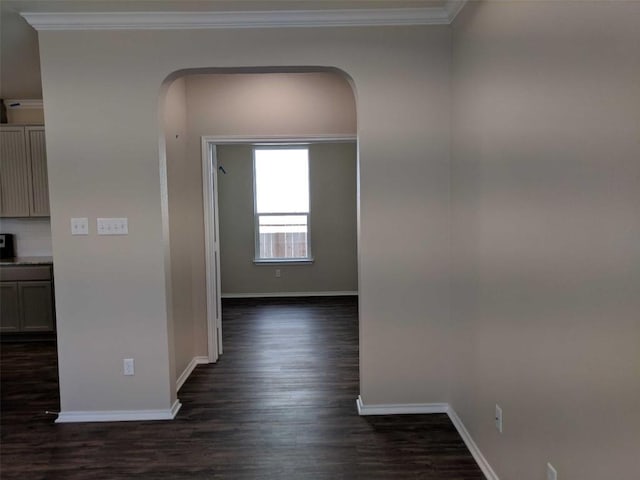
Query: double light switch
(105, 226)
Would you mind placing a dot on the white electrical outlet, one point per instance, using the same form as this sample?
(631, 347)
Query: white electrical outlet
(551, 472)
(277, 273)
(128, 368)
(498, 418)
(113, 226)
(80, 226)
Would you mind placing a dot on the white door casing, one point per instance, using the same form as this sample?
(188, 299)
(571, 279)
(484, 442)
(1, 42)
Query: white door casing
(212, 249)
(211, 223)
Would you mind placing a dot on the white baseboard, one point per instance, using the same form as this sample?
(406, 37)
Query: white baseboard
(119, 415)
(422, 408)
(472, 446)
(290, 294)
(400, 408)
(195, 361)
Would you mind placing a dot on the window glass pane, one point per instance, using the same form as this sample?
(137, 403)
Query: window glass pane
(282, 180)
(283, 236)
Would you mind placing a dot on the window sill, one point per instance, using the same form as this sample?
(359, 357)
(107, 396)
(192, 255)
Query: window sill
(283, 261)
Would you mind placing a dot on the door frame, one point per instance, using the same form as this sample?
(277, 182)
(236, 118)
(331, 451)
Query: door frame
(212, 249)
(211, 219)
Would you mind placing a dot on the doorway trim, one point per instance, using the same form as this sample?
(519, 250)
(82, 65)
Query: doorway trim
(211, 220)
(211, 246)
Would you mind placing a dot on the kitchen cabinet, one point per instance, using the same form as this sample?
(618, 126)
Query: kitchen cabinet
(9, 311)
(26, 299)
(24, 186)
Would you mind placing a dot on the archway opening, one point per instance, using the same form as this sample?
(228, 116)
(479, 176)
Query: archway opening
(230, 113)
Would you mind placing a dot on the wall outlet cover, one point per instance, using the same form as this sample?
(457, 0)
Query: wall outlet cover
(128, 366)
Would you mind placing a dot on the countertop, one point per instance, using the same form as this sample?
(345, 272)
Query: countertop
(26, 261)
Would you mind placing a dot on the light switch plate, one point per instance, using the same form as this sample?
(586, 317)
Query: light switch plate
(113, 226)
(80, 226)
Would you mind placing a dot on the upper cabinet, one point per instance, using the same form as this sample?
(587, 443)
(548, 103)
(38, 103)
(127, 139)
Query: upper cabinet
(24, 190)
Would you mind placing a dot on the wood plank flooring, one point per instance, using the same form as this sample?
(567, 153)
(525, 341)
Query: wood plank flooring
(280, 404)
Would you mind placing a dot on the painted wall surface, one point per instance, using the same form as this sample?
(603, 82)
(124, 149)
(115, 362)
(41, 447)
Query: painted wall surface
(546, 230)
(102, 137)
(332, 178)
(19, 60)
(179, 193)
(291, 104)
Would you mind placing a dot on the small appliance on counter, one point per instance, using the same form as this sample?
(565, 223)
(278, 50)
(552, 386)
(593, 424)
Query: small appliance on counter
(7, 247)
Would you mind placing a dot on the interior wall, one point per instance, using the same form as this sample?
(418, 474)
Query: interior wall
(332, 179)
(102, 124)
(182, 256)
(19, 59)
(546, 190)
(262, 104)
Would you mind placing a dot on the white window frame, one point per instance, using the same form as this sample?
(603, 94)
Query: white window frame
(256, 216)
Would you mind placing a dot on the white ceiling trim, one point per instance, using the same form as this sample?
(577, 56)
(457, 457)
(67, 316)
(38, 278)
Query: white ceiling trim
(266, 19)
(453, 8)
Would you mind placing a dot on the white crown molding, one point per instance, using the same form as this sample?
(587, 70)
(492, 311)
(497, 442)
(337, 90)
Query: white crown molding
(119, 415)
(454, 7)
(258, 19)
(24, 104)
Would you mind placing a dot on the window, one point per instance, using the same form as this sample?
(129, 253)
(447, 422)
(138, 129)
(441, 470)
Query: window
(281, 176)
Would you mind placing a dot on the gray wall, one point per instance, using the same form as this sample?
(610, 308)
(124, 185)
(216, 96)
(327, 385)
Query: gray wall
(332, 175)
(182, 255)
(19, 58)
(117, 286)
(546, 230)
(286, 104)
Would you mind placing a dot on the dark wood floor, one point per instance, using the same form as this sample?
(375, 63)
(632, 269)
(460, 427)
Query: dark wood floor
(280, 404)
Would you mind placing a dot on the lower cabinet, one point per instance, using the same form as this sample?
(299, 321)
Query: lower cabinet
(26, 305)
(9, 307)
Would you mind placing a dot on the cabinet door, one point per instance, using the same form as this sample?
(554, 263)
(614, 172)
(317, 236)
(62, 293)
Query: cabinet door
(15, 187)
(39, 199)
(9, 312)
(36, 306)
